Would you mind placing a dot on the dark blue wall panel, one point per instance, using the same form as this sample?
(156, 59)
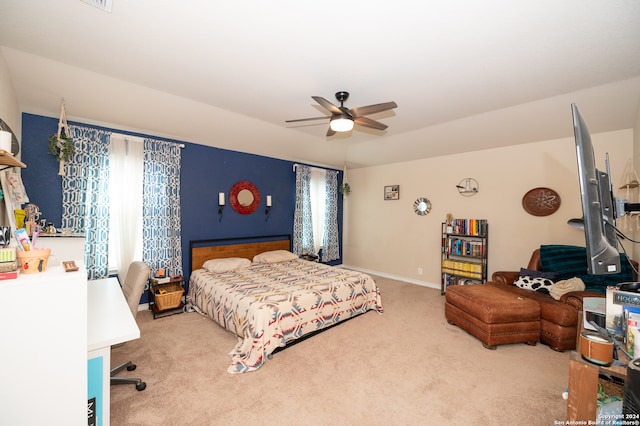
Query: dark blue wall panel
(205, 172)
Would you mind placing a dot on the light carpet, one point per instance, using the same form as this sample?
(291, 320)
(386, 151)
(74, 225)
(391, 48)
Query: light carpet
(407, 366)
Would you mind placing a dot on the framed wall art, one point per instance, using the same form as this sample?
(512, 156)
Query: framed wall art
(392, 192)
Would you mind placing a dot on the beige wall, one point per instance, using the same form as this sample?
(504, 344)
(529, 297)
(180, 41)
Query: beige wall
(388, 238)
(9, 110)
(10, 113)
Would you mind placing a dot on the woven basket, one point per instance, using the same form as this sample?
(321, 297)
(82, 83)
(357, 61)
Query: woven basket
(171, 299)
(34, 261)
(8, 266)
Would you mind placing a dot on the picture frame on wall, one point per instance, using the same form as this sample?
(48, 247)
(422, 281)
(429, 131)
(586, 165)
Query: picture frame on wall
(392, 192)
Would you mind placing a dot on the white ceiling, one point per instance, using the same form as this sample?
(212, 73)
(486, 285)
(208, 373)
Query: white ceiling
(466, 75)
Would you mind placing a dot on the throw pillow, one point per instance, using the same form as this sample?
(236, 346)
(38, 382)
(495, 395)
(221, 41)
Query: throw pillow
(227, 264)
(553, 276)
(274, 256)
(543, 285)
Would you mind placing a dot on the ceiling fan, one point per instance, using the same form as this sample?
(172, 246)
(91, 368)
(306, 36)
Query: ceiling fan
(342, 118)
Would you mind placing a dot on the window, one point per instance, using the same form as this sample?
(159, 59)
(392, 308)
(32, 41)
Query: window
(126, 168)
(139, 194)
(318, 194)
(315, 223)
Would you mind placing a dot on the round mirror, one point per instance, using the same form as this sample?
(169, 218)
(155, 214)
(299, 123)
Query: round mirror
(244, 197)
(422, 206)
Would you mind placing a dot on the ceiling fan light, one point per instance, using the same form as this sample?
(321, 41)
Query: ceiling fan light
(341, 123)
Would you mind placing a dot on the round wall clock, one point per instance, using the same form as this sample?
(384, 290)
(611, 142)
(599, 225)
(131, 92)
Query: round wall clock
(422, 206)
(541, 201)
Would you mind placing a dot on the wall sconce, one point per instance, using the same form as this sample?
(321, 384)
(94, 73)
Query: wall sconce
(268, 209)
(220, 205)
(468, 187)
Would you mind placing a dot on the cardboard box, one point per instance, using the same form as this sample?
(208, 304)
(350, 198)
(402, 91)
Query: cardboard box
(632, 315)
(616, 299)
(594, 309)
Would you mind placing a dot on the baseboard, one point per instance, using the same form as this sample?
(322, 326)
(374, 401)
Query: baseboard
(393, 277)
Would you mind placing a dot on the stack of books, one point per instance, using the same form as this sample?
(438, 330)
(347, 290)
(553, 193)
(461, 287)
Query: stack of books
(8, 263)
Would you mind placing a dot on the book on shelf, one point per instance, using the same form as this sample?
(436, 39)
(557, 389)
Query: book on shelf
(165, 280)
(461, 247)
(474, 227)
(8, 275)
(450, 280)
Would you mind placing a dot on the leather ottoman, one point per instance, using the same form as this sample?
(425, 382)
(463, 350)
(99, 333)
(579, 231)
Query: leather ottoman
(494, 316)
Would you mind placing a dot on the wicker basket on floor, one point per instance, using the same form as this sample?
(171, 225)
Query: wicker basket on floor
(168, 296)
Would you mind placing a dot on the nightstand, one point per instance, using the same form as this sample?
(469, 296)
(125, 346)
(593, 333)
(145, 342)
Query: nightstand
(310, 258)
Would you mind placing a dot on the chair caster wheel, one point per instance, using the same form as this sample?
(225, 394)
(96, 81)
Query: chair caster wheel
(141, 386)
(131, 367)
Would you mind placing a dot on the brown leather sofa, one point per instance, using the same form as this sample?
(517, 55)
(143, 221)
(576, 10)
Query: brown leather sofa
(558, 318)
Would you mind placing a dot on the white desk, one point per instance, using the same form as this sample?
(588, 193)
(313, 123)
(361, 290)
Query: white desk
(109, 322)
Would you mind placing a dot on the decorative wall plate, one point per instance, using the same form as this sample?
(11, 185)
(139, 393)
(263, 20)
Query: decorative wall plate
(541, 201)
(422, 206)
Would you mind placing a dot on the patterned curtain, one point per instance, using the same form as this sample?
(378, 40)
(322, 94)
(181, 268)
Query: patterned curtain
(330, 245)
(85, 196)
(302, 220)
(161, 206)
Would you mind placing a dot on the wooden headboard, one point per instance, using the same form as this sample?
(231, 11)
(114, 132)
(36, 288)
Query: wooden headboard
(247, 247)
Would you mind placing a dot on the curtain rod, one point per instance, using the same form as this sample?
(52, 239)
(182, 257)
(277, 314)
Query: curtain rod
(142, 138)
(295, 165)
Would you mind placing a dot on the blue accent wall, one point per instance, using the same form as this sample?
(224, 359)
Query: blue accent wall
(205, 172)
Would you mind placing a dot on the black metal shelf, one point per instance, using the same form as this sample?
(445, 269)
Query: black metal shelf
(461, 265)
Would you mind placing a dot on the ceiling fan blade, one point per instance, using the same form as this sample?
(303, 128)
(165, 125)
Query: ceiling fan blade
(367, 122)
(327, 105)
(330, 132)
(307, 119)
(372, 109)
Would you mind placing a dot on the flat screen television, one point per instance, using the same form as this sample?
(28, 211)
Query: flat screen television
(598, 204)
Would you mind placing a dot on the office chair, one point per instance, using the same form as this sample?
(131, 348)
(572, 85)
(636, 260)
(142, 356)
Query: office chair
(134, 282)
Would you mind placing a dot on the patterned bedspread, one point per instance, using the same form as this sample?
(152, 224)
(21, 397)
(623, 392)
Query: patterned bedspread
(268, 305)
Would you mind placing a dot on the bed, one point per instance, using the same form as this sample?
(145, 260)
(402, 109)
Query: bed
(274, 299)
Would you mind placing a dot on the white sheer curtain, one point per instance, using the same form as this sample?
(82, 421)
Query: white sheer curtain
(126, 173)
(318, 196)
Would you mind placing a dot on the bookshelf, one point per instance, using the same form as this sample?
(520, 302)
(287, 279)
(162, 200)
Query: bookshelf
(464, 252)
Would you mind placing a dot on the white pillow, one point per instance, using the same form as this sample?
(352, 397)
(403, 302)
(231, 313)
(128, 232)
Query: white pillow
(218, 266)
(540, 284)
(274, 256)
